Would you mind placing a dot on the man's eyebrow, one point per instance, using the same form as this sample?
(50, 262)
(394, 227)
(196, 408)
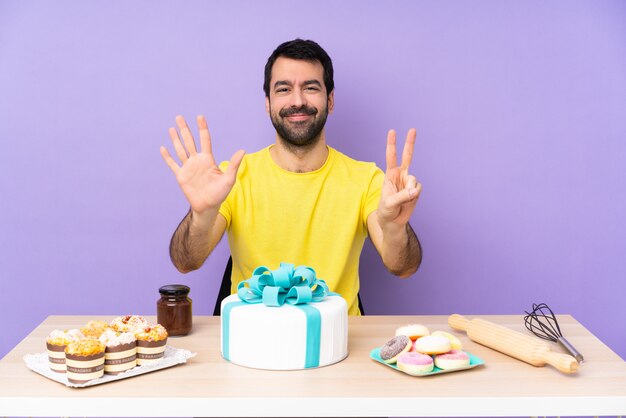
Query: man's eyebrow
(281, 83)
(288, 83)
(316, 82)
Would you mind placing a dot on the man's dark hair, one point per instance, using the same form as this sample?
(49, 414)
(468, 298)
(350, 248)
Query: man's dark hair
(300, 49)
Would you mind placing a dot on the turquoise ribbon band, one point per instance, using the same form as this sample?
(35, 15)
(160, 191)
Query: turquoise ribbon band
(226, 327)
(295, 286)
(313, 335)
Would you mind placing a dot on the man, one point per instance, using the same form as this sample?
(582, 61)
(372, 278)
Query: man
(298, 200)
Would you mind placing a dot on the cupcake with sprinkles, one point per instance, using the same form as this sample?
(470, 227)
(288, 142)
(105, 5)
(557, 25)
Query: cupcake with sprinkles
(94, 329)
(56, 343)
(150, 344)
(120, 352)
(84, 360)
(129, 323)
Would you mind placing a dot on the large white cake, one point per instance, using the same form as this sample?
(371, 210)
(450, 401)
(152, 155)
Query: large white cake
(287, 337)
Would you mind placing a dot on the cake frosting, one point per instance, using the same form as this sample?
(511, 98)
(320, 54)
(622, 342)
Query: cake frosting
(113, 338)
(154, 333)
(85, 347)
(58, 337)
(275, 337)
(94, 329)
(128, 323)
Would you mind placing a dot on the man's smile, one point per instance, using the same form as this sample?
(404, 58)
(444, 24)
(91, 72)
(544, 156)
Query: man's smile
(298, 117)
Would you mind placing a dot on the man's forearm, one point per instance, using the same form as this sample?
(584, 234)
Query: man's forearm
(401, 252)
(193, 241)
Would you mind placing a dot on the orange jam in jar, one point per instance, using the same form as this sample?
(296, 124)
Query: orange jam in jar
(174, 309)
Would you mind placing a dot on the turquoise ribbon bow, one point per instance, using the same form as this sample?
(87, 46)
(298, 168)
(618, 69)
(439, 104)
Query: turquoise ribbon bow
(285, 285)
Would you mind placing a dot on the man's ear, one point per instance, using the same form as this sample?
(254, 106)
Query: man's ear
(267, 104)
(331, 101)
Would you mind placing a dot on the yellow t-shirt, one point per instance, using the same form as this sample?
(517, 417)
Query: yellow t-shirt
(318, 219)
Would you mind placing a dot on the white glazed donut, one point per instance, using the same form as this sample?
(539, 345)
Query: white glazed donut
(455, 343)
(432, 345)
(413, 331)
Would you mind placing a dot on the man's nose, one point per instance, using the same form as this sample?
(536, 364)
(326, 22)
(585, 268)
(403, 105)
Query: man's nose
(297, 98)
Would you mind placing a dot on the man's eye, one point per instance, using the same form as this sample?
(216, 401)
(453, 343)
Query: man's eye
(282, 90)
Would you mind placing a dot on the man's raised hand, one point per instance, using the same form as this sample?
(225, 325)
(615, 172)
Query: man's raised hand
(205, 186)
(400, 189)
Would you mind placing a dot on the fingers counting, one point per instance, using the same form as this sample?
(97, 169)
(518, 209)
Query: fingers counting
(392, 161)
(169, 160)
(186, 134)
(401, 188)
(184, 143)
(205, 138)
(202, 181)
(185, 148)
(407, 152)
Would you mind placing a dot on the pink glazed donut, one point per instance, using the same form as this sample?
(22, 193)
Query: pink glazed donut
(453, 360)
(415, 363)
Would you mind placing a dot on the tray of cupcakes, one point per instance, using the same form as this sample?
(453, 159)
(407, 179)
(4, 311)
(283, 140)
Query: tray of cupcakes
(416, 351)
(102, 352)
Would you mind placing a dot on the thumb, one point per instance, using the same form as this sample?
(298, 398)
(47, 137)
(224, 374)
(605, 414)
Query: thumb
(405, 195)
(235, 162)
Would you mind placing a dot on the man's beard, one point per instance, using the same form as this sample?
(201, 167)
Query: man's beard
(303, 134)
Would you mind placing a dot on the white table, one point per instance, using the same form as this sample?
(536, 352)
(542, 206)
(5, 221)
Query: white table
(209, 386)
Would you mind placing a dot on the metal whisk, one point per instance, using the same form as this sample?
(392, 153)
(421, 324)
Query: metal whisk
(542, 322)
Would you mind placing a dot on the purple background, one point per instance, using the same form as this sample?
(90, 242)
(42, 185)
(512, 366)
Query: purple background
(521, 115)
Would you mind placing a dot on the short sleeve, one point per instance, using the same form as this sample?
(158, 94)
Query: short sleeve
(374, 192)
(226, 207)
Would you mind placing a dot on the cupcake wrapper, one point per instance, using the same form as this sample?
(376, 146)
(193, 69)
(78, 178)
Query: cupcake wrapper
(56, 357)
(120, 348)
(150, 351)
(120, 365)
(85, 370)
(57, 348)
(81, 369)
(151, 344)
(119, 358)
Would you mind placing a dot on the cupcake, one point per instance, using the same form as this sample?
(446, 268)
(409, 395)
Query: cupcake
(56, 343)
(94, 329)
(84, 360)
(128, 323)
(120, 352)
(150, 344)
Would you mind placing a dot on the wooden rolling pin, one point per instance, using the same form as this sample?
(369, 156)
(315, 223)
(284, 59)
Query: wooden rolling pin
(513, 343)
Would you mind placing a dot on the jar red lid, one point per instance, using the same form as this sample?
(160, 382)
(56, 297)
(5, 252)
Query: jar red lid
(174, 290)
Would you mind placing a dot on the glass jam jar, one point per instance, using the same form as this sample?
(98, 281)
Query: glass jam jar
(174, 309)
